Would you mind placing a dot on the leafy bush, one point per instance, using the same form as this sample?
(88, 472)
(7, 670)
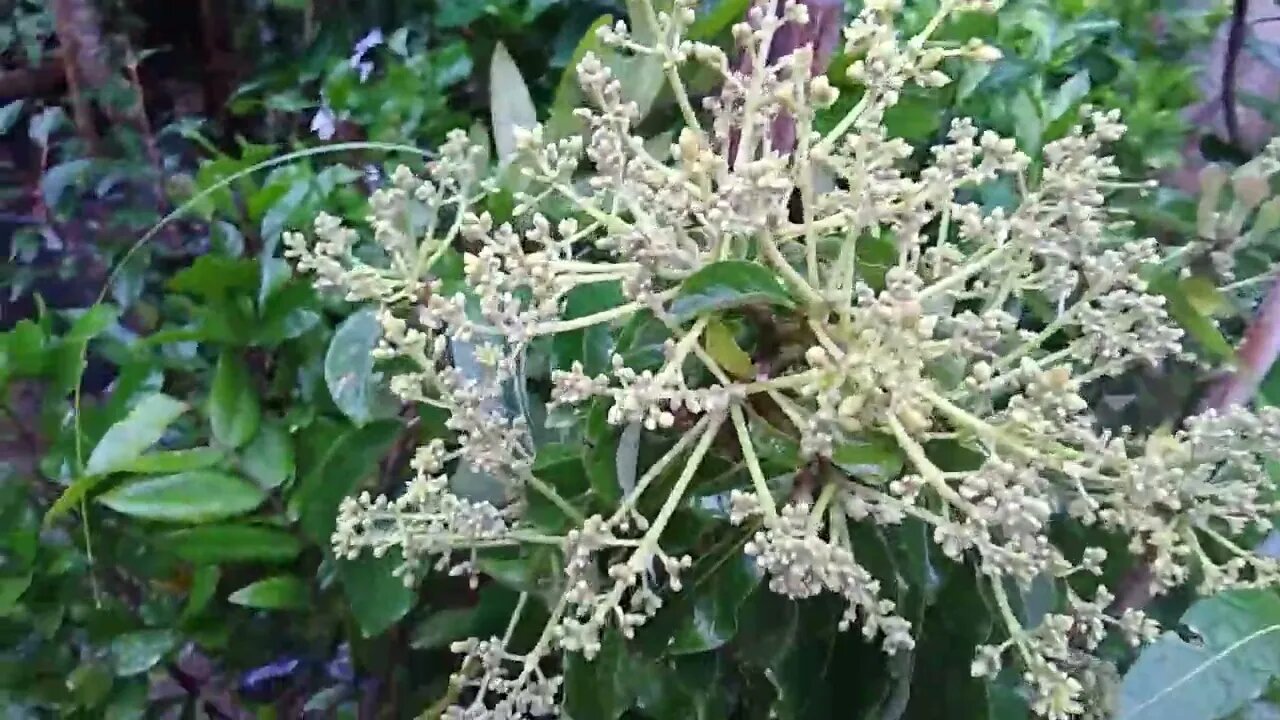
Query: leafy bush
(882, 390)
(170, 544)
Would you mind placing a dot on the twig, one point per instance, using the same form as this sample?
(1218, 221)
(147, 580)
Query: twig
(1258, 352)
(1235, 43)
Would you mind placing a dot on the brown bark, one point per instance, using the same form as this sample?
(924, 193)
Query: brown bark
(79, 31)
(45, 78)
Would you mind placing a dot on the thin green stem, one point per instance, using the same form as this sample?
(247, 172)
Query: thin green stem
(650, 541)
(550, 493)
(758, 481)
(663, 462)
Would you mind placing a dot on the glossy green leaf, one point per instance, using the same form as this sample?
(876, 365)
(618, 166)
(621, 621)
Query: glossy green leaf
(510, 105)
(1028, 127)
(870, 457)
(137, 652)
(92, 322)
(705, 616)
(268, 459)
(211, 544)
(601, 454)
(26, 348)
(357, 390)
(336, 473)
(234, 412)
(590, 346)
(711, 23)
(191, 497)
(126, 440)
(120, 449)
(1068, 95)
(568, 96)
(729, 284)
(560, 466)
(1238, 655)
(282, 592)
(378, 599)
(443, 627)
(606, 687)
(1202, 329)
(914, 118)
(688, 687)
(173, 461)
(90, 683)
(11, 590)
(204, 585)
(724, 349)
(63, 176)
(10, 113)
(215, 276)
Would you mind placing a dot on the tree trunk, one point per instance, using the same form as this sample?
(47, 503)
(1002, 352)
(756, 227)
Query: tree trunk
(79, 31)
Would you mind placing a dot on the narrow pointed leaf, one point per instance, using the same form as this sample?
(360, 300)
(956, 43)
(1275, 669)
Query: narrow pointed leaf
(283, 592)
(197, 496)
(140, 429)
(234, 411)
(510, 103)
(211, 544)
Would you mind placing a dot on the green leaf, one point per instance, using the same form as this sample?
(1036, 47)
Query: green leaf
(1068, 95)
(204, 584)
(356, 389)
(1201, 328)
(378, 598)
(914, 118)
(336, 473)
(591, 346)
(1028, 127)
(282, 592)
(459, 14)
(710, 24)
(869, 457)
(510, 105)
(1239, 654)
(443, 627)
(10, 113)
(126, 440)
(601, 453)
(192, 497)
(722, 346)
(64, 175)
(568, 97)
(707, 617)
(234, 411)
(120, 449)
(173, 461)
(268, 458)
(729, 284)
(215, 276)
(91, 323)
(561, 467)
(211, 544)
(11, 590)
(137, 652)
(1203, 295)
(26, 348)
(602, 688)
(90, 683)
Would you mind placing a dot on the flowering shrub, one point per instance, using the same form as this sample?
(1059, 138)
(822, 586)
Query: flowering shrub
(959, 363)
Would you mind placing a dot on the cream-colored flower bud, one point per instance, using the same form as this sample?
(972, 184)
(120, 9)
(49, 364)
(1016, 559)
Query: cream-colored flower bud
(824, 94)
(817, 356)
(983, 52)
